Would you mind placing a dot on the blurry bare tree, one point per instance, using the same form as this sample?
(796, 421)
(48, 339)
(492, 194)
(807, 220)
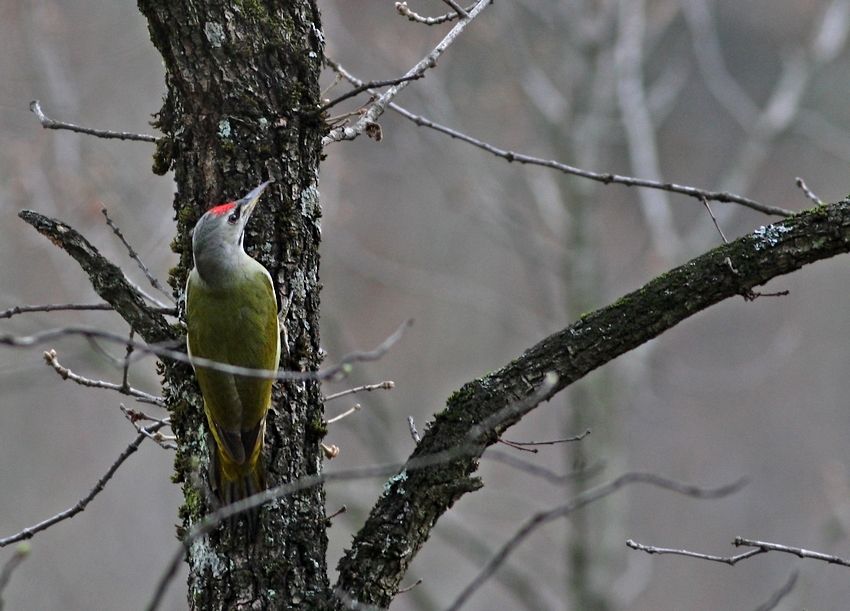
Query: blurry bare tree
(466, 235)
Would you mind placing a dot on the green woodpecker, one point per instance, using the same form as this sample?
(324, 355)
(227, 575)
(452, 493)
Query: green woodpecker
(231, 315)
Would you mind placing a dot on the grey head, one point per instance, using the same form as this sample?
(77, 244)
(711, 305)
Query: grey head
(219, 234)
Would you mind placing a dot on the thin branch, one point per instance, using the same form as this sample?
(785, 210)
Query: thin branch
(336, 513)
(125, 375)
(28, 532)
(457, 8)
(66, 374)
(410, 587)
(776, 598)
(808, 192)
(333, 372)
(53, 307)
(759, 547)
(368, 120)
(167, 442)
(414, 434)
(406, 11)
(524, 444)
(154, 281)
(365, 86)
(582, 500)
(348, 412)
(714, 220)
(48, 123)
(730, 560)
(766, 546)
(603, 177)
(9, 567)
(69, 307)
(385, 385)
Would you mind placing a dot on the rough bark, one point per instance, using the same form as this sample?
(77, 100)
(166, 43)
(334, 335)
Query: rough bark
(399, 523)
(238, 76)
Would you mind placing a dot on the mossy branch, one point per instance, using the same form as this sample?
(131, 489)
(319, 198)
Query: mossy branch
(106, 278)
(400, 521)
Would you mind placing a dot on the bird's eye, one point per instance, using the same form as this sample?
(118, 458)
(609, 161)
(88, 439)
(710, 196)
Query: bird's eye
(234, 216)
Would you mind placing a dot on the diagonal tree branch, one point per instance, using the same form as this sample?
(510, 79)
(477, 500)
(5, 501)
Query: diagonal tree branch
(107, 279)
(399, 523)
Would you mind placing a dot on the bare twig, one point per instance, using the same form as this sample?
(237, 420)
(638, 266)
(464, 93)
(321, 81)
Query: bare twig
(766, 546)
(730, 560)
(406, 11)
(336, 513)
(603, 177)
(781, 593)
(53, 307)
(414, 434)
(125, 385)
(714, 220)
(51, 359)
(808, 192)
(48, 123)
(759, 547)
(385, 385)
(583, 499)
(410, 587)
(333, 372)
(523, 445)
(457, 8)
(167, 442)
(28, 532)
(367, 120)
(21, 552)
(348, 412)
(330, 451)
(365, 86)
(154, 281)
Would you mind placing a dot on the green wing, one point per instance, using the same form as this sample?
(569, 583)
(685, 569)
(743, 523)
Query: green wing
(237, 326)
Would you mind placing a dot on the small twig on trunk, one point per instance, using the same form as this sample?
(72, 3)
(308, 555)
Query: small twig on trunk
(808, 192)
(385, 385)
(48, 123)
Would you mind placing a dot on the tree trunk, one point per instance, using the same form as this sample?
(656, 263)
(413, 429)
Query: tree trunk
(239, 76)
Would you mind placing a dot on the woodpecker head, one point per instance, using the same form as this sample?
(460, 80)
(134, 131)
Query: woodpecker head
(218, 236)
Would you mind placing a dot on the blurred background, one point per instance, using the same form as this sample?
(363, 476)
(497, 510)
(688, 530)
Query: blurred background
(488, 258)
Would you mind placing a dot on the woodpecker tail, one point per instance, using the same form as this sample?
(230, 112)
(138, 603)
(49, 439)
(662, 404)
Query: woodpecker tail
(233, 482)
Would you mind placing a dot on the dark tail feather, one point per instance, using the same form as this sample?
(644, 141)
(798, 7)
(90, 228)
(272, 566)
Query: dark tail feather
(241, 486)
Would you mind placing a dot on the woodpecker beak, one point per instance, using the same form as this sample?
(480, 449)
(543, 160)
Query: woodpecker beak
(248, 202)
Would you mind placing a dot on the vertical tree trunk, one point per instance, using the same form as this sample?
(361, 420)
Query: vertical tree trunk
(240, 76)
